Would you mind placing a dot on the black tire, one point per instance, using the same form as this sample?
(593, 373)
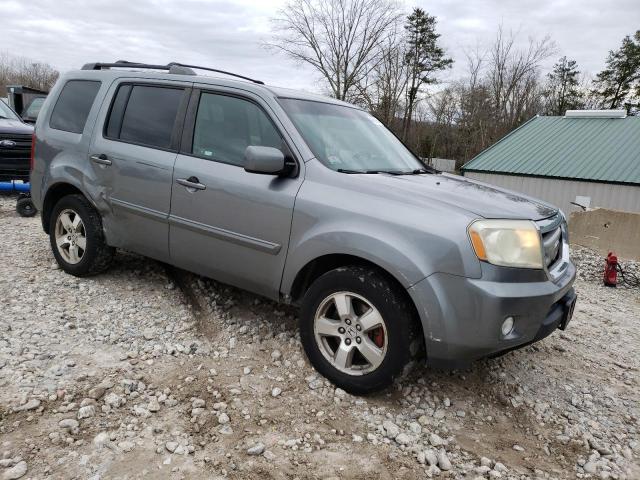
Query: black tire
(25, 207)
(98, 255)
(394, 308)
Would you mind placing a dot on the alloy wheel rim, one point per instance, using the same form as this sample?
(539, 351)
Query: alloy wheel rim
(350, 333)
(70, 236)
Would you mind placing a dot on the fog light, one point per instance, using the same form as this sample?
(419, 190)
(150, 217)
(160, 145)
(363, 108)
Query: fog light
(507, 326)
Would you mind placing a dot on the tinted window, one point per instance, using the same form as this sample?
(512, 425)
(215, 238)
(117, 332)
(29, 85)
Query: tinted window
(225, 126)
(73, 105)
(149, 116)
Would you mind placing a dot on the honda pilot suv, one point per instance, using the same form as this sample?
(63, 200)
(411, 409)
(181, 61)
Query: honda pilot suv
(305, 200)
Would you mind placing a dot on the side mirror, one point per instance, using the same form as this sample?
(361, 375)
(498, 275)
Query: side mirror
(264, 160)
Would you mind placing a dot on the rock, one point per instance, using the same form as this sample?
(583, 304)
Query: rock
(518, 448)
(86, 412)
(415, 428)
(485, 462)
(257, 449)
(97, 392)
(435, 440)
(431, 457)
(101, 440)
(276, 355)
(140, 411)
(69, 423)
(276, 391)
(154, 406)
(223, 418)
(270, 456)
(114, 400)
(590, 467)
(198, 403)
(171, 446)
(403, 439)
(499, 467)
(443, 461)
(19, 470)
(30, 405)
(391, 429)
(126, 446)
(149, 334)
(225, 430)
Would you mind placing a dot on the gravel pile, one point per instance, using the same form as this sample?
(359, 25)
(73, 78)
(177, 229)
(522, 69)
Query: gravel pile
(591, 267)
(147, 372)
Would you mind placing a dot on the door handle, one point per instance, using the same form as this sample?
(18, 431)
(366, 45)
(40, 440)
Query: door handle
(191, 183)
(100, 159)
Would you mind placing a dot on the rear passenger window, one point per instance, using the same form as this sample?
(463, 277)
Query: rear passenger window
(74, 103)
(225, 126)
(144, 115)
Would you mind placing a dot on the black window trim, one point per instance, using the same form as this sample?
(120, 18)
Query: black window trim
(178, 126)
(93, 104)
(190, 122)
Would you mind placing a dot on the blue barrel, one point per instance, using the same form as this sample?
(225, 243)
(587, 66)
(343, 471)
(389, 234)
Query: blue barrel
(15, 187)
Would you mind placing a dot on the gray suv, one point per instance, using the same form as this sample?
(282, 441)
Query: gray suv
(302, 199)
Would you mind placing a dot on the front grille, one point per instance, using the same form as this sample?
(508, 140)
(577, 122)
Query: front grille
(551, 230)
(552, 246)
(14, 160)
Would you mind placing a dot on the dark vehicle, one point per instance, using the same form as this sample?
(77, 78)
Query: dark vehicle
(15, 145)
(26, 101)
(30, 113)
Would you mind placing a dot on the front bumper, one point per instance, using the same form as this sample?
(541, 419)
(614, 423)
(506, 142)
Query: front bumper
(462, 317)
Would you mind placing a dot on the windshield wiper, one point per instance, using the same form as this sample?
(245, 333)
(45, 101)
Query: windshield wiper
(371, 172)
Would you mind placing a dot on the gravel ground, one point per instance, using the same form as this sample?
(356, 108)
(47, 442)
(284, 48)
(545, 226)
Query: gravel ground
(144, 372)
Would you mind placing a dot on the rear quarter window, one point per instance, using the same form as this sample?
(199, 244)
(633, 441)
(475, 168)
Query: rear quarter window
(73, 105)
(144, 115)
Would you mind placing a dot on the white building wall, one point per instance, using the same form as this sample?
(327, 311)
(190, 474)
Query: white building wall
(561, 192)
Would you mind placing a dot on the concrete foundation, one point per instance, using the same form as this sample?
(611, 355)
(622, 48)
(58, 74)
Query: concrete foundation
(607, 231)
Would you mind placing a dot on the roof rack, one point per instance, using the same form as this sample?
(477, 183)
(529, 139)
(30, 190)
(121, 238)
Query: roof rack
(172, 67)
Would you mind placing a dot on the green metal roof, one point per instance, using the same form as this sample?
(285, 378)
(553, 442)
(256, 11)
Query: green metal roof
(590, 149)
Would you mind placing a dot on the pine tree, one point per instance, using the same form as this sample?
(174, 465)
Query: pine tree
(562, 92)
(424, 58)
(620, 80)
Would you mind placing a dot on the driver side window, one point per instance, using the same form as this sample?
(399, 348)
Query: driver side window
(225, 126)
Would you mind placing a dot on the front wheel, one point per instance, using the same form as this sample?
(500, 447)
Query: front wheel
(356, 328)
(77, 239)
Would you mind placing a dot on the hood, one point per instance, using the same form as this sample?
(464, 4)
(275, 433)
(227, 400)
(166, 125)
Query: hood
(9, 126)
(475, 197)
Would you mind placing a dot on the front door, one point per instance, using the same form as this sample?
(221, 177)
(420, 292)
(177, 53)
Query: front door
(133, 158)
(226, 223)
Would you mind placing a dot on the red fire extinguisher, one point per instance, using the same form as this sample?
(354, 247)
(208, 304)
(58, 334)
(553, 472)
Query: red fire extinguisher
(611, 270)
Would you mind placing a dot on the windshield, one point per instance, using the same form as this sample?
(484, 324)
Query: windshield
(349, 140)
(6, 112)
(34, 108)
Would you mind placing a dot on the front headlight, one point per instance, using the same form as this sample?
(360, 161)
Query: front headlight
(508, 243)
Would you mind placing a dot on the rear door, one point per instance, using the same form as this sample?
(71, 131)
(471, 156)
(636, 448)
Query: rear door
(133, 153)
(233, 226)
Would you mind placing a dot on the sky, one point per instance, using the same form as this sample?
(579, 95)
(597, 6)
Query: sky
(230, 34)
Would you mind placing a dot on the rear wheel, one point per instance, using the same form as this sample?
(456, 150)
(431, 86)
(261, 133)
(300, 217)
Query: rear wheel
(355, 327)
(77, 239)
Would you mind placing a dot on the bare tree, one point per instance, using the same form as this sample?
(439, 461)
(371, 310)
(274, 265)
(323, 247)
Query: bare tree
(23, 71)
(382, 91)
(513, 75)
(341, 39)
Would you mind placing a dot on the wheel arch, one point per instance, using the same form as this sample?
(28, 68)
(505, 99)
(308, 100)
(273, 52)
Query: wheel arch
(315, 268)
(54, 193)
